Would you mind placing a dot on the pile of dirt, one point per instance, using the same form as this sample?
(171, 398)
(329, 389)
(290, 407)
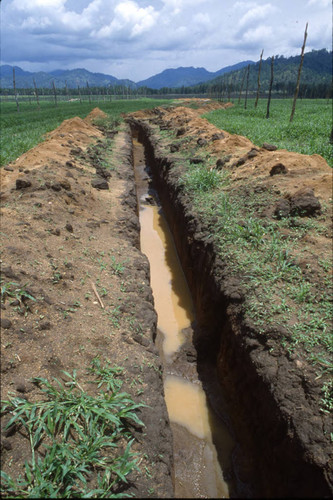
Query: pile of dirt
(72, 135)
(239, 155)
(76, 286)
(94, 115)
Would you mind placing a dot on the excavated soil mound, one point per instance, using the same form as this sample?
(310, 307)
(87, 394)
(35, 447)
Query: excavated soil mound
(75, 287)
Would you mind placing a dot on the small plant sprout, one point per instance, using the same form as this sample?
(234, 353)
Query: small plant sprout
(14, 291)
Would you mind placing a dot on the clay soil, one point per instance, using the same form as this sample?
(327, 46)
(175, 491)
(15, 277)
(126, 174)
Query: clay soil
(63, 239)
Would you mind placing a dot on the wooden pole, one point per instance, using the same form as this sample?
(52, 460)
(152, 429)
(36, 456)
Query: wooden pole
(66, 90)
(78, 88)
(36, 94)
(241, 87)
(270, 87)
(89, 93)
(229, 88)
(258, 88)
(55, 93)
(247, 86)
(16, 98)
(299, 74)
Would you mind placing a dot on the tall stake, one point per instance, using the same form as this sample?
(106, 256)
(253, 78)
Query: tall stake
(14, 85)
(36, 93)
(66, 90)
(241, 87)
(229, 88)
(270, 87)
(78, 88)
(247, 85)
(55, 93)
(299, 74)
(258, 89)
(89, 92)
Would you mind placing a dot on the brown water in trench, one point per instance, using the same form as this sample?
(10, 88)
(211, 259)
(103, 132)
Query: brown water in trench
(198, 473)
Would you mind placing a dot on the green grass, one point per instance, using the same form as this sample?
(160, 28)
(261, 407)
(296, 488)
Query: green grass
(308, 133)
(80, 444)
(24, 130)
(257, 249)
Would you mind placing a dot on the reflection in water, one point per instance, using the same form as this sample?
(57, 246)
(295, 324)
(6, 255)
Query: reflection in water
(197, 471)
(171, 295)
(186, 403)
(197, 466)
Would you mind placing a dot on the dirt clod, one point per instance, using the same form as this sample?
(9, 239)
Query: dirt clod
(5, 323)
(22, 183)
(100, 183)
(277, 169)
(269, 147)
(304, 203)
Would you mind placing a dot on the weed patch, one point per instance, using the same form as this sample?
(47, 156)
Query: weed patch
(80, 444)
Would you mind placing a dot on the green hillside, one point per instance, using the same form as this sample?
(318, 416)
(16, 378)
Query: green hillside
(316, 77)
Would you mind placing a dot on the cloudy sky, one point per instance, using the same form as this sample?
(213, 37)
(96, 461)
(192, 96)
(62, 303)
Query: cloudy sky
(136, 39)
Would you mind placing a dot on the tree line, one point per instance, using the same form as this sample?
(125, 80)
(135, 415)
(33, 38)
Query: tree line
(255, 80)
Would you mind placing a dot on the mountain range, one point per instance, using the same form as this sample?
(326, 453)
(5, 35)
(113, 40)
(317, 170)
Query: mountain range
(177, 77)
(317, 68)
(316, 75)
(185, 77)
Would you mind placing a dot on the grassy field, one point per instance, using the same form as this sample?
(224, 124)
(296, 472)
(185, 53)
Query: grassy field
(308, 133)
(22, 131)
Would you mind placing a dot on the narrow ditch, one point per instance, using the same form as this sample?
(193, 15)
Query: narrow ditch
(264, 455)
(202, 443)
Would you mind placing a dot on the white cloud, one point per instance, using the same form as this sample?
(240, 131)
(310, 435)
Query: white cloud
(260, 35)
(32, 23)
(138, 19)
(256, 14)
(127, 37)
(202, 18)
(320, 3)
(129, 20)
(32, 5)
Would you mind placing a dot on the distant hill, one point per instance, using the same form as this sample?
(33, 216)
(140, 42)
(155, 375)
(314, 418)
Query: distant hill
(316, 80)
(168, 78)
(73, 77)
(186, 76)
(316, 72)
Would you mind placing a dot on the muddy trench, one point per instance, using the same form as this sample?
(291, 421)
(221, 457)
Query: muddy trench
(202, 444)
(246, 446)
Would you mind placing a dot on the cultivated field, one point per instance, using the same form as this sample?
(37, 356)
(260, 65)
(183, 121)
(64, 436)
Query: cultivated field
(22, 131)
(308, 133)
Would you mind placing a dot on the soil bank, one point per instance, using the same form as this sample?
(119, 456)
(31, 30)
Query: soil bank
(271, 397)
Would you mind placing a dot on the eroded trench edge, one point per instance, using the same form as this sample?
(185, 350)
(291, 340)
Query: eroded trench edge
(271, 455)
